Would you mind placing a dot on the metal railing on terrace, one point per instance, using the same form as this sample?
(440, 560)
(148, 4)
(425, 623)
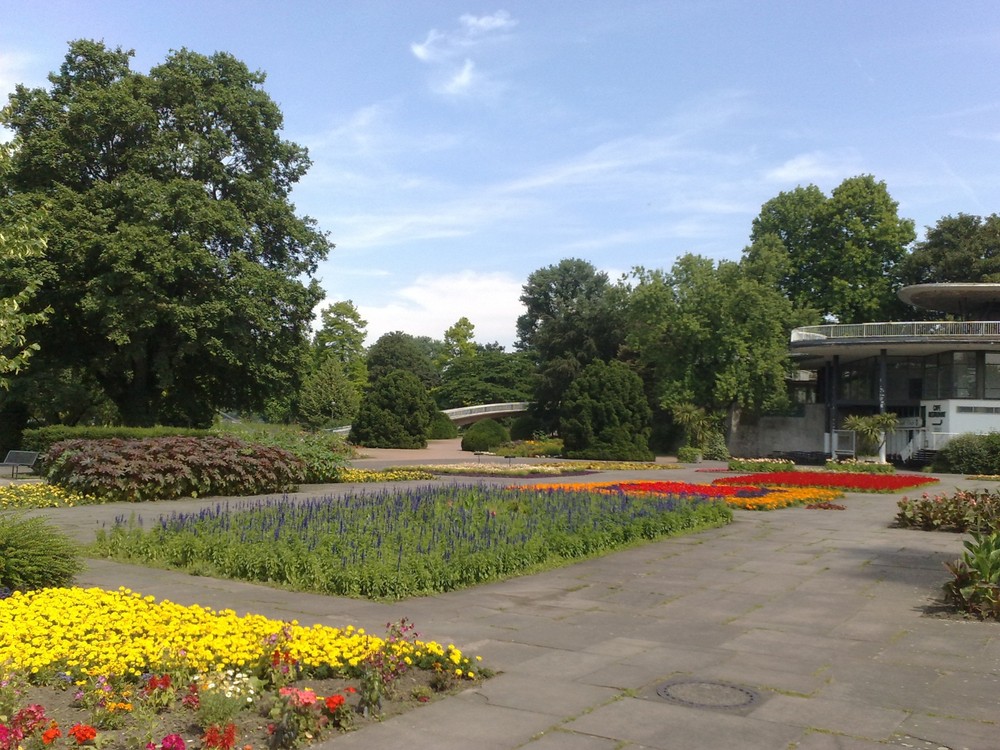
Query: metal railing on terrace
(924, 328)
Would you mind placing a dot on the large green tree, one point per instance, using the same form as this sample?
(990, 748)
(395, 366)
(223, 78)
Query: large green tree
(712, 335)
(963, 248)
(342, 336)
(486, 375)
(842, 252)
(327, 397)
(401, 351)
(572, 318)
(395, 412)
(175, 259)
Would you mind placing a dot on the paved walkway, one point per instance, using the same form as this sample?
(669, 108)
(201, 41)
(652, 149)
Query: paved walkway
(798, 628)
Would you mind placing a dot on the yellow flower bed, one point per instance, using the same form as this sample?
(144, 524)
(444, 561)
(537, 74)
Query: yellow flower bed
(90, 632)
(783, 497)
(40, 495)
(381, 475)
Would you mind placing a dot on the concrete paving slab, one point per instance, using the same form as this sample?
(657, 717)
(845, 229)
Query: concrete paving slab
(853, 718)
(562, 697)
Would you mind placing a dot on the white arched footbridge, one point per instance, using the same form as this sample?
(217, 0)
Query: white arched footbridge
(468, 414)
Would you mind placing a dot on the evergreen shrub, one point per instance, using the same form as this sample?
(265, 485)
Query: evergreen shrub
(605, 415)
(526, 427)
(485, 435)
(35, 555)
(441, 427)
(970, 454)
(395, 412)
(688, 454)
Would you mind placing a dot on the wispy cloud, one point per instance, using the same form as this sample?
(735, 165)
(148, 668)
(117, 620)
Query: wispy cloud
(451, 54)
(816, 166)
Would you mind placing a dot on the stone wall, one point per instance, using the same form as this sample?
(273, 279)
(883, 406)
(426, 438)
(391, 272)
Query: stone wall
(766, 435)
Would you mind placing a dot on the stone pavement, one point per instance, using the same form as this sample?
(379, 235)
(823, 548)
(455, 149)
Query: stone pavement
(806, 629)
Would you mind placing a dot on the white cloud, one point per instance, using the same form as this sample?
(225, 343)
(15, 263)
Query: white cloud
(443, 50)
(814, 167)
(432, 303)
(462, 81)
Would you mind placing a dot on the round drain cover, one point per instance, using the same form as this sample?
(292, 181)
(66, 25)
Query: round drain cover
(704, 694)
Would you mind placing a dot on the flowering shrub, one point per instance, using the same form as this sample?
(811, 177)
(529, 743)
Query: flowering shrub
(832, 480)
(964, 510)
(761, 464)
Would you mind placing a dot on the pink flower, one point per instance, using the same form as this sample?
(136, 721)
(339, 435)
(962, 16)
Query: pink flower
(173, 742)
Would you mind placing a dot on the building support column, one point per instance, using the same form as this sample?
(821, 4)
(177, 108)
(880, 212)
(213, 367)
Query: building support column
(882, 396)
(834, 370)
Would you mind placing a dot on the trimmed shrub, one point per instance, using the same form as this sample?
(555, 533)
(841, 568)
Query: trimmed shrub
(35, 555)
(605, 415)
(970, 454)
(485, 435)
(688, 454)
(441, 427)
(395, 413)
(169, 468)
(42, 438)
(714, 448)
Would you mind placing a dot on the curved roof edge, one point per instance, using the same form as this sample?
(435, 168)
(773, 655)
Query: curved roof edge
(971, 301)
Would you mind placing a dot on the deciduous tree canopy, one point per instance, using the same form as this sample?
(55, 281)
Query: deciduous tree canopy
(175, 257)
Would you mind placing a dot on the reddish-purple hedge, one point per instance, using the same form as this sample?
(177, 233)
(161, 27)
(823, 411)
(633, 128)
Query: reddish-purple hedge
(167, 468)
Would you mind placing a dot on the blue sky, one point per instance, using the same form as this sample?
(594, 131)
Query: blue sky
(459, 146)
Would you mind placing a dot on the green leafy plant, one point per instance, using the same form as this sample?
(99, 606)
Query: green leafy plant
(761, 464)
(970, 454)
(871, 430)
(975, 586)
(35, 555)
(688, 454)
(860, 467)
(963, 510)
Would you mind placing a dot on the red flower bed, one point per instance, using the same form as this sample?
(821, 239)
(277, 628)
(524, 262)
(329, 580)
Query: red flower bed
(832, 480)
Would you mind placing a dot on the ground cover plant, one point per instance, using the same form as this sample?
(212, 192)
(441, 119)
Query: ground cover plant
(324, 454)
(392, 544)
(548, 446)
(121, 671)
(118, 470)
(392, 474)
(832, 480)
(746, 497)
(963, 510)
(41, 495)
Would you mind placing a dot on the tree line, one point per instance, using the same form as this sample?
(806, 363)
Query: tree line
(156, 272)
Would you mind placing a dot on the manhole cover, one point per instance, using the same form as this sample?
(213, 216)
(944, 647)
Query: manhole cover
(702, 694)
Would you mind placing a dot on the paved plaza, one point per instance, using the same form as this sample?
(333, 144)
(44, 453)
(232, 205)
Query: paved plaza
(805, 629)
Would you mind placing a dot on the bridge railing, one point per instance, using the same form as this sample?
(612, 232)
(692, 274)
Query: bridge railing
(463, 414)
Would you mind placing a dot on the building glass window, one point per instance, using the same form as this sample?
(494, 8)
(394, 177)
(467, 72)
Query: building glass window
(992, 375)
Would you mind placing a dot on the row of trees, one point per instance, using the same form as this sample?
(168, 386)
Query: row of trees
(175, 278)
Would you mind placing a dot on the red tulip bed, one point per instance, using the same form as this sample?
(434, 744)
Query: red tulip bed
(831, 480)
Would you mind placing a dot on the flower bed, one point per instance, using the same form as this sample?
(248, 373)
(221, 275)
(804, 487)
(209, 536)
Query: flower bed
(40, 495)
(746, 497)
(964, 510)
(853, 466)
(393, 474)
(117, 669)
(394, 544)
(832, 480)
(761, 464)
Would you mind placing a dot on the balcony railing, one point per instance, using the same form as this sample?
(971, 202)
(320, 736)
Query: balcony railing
(941, 328)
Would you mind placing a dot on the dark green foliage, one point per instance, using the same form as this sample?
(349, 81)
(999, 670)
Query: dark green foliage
(488, 375)
(970, 454)
(961, 248)
(42, 438)
(34, 555)
(526, 427)
(484, 435)
(168, 468)
(395, 412)
(327, 398)
(688, 454)
(399, 544)
(401, 351)
(714, 447)
(573, 316)
(13, 420)
(176, 268)
(605, 415)
(441, 427)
